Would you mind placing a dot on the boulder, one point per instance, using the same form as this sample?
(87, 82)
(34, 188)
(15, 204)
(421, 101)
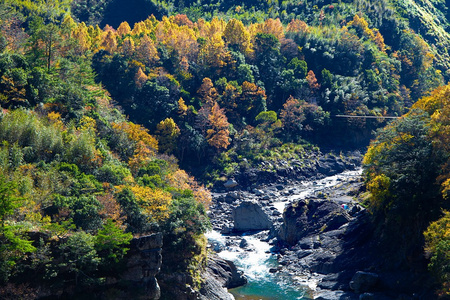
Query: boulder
(230, 183)
(364, 282)
(330, 165)
(311, 216)
(249, 215)
(217, 278)
(225, 272)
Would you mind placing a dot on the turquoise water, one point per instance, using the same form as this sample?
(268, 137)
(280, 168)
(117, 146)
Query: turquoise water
(272, 287)
(262, 285)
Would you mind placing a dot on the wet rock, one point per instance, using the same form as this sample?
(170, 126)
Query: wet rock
(258, 192)
(279, 187)
(249, 215)
(226, 230)
(220, 274)
(234, 195)
(303, 253)
(243, 244)
(335, 295)
(330, 165)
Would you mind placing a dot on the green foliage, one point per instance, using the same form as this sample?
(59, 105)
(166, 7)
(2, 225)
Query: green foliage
(84, 210)
(79, 256)
(267, 117)
(66, 152)
(406, 173)
(12, 245)
(112, 173)
(135, 220)
(437, 242)
(8, 199)
(404, 156)
(112, 241)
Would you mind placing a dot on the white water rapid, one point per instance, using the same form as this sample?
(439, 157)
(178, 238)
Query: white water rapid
(254, 257)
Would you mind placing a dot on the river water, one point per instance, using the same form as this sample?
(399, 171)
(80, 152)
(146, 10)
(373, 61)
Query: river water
(256, 259)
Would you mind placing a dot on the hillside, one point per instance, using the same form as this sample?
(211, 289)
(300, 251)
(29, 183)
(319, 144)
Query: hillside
(103, 101)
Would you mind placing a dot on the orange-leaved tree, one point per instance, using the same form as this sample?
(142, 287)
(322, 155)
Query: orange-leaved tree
(218, 134)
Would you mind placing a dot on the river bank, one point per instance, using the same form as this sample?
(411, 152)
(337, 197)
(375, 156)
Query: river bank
(315, 235)
(245, 232)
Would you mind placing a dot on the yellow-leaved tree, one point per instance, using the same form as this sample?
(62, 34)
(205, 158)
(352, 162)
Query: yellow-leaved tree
(167, 133)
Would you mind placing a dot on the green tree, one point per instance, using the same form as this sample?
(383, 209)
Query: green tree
(13, 246)
(111, 243)
(79, 256)
(401, 171)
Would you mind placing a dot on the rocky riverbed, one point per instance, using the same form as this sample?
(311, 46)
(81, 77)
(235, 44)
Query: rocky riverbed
(321, 238)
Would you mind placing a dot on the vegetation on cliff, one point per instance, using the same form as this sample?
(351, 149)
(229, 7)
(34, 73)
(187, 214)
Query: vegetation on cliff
(78, 179)
(221, 87)
(408, 180)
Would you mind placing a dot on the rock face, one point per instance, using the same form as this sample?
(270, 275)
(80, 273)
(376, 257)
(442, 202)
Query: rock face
(307, 217)
(330, 165)
(249, 215)
(363, 282)
(220, 274)
(143, 263)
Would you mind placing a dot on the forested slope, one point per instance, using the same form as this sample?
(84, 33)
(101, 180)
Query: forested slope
(408, 182)
(341, 59)
(219, 88)
(78, 180)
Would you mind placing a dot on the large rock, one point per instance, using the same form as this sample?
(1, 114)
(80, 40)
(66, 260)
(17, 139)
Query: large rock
(307, 217)
(230, 183)
(330, 165)
(143, 263)
(249, 215)
(220, 274)
(364, 282)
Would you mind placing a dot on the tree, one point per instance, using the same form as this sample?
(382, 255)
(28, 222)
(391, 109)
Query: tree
(128, 47)
(135, 220)
(79, 255)
(274, 27)
(268, 59)
(401, 169)
(167, 132)
(45, 41)
(140, 78)
(8, 199)
(124, 28)
(207, 92)
(213, 54)
(13, 246)
(312, 81)
(299, 66)
(156, 101)
(146, 51)
(218, 134)
(237, 37)
(291, 116)
(111, 243)
(252, 101)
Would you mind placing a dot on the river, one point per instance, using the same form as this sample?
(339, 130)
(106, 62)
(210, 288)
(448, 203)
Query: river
(254, 256)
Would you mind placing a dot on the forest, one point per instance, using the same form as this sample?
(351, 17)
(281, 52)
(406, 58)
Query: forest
(109, 109)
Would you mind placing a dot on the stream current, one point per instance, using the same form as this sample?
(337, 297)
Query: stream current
(257, 260)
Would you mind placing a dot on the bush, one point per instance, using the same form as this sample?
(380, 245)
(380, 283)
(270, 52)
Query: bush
(114, 174)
